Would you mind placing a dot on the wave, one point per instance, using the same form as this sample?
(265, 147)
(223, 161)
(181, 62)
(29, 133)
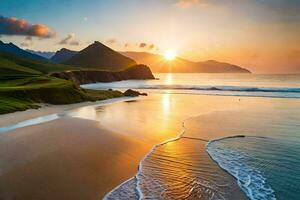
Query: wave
(250, 180)
(136, 181)
(280, 92)
(222, 88)
(134, 187)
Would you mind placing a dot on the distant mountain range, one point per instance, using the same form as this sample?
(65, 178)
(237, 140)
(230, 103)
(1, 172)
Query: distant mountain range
(13, 66)
(99, 56)
(62, 55)
(96, 63)
(45, 54)
(11, 48)
(158, 63)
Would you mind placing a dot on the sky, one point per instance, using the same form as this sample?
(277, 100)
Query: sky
(261, 35)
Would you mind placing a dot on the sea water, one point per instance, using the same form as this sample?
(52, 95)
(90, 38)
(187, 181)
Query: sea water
(283, 86)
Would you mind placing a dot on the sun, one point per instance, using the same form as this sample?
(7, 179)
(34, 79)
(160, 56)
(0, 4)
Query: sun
(170, 55)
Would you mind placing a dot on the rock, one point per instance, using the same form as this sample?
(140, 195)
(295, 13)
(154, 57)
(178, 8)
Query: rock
(133, 93)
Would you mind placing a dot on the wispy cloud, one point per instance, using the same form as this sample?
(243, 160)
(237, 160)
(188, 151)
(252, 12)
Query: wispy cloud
(111, 41)
(69, 40)
(190, 3)
(14, 26)
(151, 46)
(27, 42)
(142, 45)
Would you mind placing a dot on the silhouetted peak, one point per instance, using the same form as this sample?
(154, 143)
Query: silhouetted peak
(211, 61)
(97, 42)
(65, 50)
(100, 56)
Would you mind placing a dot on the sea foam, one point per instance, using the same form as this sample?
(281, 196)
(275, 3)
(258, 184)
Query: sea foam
(250, 180)
(279, 92)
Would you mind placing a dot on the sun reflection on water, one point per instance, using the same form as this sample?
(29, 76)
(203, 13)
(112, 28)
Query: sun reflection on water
(166, 103)
(169, 79)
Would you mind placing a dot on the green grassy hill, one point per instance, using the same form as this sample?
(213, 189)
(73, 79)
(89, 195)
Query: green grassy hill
(12, 65)
(24, 83)
(25, 93)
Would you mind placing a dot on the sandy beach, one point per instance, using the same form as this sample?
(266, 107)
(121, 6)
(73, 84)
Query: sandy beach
(78, 158)
(48, 109)
(66, 159)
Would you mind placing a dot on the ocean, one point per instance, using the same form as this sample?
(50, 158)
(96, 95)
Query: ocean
(255, 143)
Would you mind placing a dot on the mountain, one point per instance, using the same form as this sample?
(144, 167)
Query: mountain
(11, 48)
(62, 55)
(158, 63)
(101, 57)
(45, 54)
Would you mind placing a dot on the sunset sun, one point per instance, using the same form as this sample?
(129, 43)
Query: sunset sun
(170, 55)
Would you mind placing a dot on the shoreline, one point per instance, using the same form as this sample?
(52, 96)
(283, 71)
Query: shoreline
(181, 135)
(49, 109)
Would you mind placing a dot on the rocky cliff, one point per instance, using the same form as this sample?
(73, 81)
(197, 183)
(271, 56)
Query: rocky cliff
(137, 72)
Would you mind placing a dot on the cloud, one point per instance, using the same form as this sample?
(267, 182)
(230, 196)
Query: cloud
(66, 40)
(14, 26)
(74, 43)
(190, 3)
(69, 40)
(111, 41)
(27, 42)
(142, 45)
(151, 46)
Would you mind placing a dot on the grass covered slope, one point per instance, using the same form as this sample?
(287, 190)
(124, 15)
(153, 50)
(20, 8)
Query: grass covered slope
(22, 94)
(24, 83)
(12, 66)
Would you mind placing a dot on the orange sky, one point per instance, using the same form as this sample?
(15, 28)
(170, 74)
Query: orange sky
(262, 36)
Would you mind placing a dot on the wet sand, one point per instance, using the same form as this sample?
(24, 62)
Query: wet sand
(65, 159)
(47, 109)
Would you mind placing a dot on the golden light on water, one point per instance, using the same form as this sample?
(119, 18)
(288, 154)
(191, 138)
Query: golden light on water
(170, 55)
(169, 79)
(166, 103)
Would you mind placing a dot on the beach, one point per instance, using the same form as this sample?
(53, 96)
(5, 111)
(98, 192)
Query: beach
(77, 157)
(66, 159)
(88, 153)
